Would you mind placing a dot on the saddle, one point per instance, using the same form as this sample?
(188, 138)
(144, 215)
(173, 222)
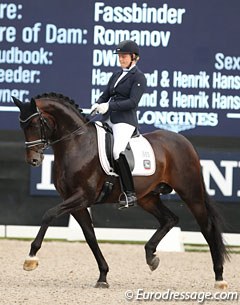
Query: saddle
(139, 152)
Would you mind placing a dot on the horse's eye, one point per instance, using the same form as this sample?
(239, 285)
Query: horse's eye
(34, 125)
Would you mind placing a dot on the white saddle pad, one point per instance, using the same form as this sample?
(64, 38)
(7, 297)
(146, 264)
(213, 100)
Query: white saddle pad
(144, 158)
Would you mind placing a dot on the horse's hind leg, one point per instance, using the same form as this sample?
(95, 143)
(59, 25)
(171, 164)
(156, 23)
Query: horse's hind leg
(209, 222)
(167, 220)
(84, 220)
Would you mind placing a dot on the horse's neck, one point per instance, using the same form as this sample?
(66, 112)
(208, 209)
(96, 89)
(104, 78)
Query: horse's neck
(66, 120)
(72, 138)
(73, 133)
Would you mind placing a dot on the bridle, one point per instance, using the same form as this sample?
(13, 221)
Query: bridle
(43, 124)
(44, 140)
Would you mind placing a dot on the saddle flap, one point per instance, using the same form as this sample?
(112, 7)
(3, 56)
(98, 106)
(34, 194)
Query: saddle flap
(144, 158)
(144, 163)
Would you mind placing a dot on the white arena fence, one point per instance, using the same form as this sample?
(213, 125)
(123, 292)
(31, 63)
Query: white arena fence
(173, 241)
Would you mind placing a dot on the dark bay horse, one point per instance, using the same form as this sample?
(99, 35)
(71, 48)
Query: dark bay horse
(53, 119)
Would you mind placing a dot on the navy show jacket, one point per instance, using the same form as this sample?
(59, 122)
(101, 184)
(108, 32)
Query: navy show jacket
(124, 98)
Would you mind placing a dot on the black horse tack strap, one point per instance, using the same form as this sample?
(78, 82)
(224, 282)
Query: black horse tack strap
(144, 158)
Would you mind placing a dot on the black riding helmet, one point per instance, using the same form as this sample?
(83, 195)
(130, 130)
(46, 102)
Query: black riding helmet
(128, 47)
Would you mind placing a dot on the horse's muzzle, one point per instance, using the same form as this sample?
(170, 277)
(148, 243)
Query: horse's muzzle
(34, 158)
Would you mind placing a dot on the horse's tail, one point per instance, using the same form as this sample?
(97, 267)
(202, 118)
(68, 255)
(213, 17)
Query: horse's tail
(217, 223)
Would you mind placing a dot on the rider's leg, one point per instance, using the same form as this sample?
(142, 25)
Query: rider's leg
(128, 197)
(122, 133)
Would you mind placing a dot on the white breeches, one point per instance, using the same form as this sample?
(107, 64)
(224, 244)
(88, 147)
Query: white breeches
(122, 133)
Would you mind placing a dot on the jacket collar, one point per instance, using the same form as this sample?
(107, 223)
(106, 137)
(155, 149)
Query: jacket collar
(131, 71)
(127, 70)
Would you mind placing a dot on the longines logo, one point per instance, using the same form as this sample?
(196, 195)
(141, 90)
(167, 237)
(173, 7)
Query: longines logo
(175, 128)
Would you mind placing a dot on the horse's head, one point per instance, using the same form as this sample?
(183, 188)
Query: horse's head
(35, 127)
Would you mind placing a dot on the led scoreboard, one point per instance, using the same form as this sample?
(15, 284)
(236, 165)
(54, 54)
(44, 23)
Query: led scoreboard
(189, 54)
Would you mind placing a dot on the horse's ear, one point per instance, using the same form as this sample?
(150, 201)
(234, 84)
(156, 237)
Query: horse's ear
(33, 105)
(17, 102)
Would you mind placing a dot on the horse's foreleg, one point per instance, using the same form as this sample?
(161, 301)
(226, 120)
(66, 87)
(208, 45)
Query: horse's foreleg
(84, 220)
(153, 204)
(31, 261)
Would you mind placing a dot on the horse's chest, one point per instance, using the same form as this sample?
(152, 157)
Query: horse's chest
(61, 180)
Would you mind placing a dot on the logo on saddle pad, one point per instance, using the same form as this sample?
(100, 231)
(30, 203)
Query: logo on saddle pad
(139, 154)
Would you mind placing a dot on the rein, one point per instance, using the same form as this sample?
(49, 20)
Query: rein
(44, 139)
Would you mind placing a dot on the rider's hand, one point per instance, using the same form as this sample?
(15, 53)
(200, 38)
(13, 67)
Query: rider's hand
(100, 108)
(94, 108)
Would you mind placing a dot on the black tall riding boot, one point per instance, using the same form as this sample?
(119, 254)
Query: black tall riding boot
(128, 197)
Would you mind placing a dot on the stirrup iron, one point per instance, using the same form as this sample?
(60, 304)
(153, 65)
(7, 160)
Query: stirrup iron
(124, 203)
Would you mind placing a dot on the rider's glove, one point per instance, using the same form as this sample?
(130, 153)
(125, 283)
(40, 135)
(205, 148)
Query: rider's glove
(100, 108)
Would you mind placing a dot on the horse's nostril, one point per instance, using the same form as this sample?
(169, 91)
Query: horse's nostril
(34, 161)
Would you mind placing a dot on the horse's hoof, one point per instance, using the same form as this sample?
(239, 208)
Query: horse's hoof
(30, 263)
(221, 285)
(101, 285)
(154, 263)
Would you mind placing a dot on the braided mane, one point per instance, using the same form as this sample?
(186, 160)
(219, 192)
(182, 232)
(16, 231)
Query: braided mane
(60, 98)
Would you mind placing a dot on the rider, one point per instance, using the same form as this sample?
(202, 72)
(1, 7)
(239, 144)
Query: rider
(118, 104)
